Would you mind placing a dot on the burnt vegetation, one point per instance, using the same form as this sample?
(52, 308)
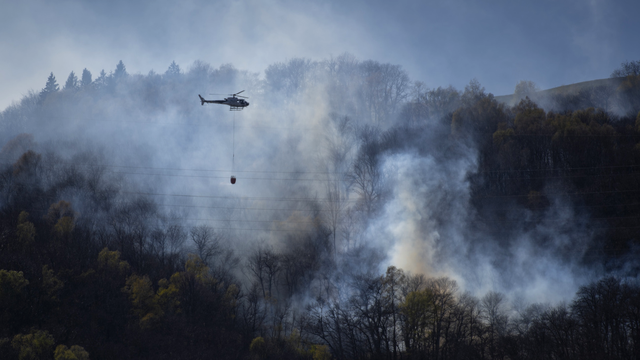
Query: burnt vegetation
(93, 266)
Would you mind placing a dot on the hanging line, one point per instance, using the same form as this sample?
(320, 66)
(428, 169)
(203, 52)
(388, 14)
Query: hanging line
(233, 158)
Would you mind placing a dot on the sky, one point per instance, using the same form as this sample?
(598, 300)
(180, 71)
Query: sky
(438, 42)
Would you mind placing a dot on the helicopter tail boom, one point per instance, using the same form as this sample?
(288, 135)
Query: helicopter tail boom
(203, 100)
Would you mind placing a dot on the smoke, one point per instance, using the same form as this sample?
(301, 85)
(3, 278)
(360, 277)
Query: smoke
(441, 44)
(293, 157)
(419, 201)
(428, 226)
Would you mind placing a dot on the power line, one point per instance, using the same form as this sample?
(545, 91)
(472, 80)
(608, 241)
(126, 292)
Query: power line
(202, 170)
(249, 221)
(234, 198)
(515, 135)
(344, 173)
(564, 193)
(328, 210)
(183, 121)
(558, 220)
(281, 222)
(339, 180)
(350, 201)
(243, 208)
(179, 122)
(562, 169)
(218, 170)
(224, 177)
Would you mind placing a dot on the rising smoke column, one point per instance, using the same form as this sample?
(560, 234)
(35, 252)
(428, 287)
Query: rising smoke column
(428, 225)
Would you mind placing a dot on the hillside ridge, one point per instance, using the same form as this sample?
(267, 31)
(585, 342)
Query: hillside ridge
(575, 88)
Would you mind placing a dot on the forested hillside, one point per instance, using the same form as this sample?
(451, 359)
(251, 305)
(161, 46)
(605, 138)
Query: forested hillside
(373, 218)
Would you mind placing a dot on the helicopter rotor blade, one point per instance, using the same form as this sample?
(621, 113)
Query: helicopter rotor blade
(236, 94)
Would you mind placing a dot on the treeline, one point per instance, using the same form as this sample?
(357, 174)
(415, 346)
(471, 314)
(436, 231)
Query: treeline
(530, 158)
(411, 317)
(69, 292)
(92, 267)
(366, 91)
(108, 275)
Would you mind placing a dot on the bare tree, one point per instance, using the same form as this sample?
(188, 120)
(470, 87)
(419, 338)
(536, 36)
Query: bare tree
(253, 313)
(206, 241)
(158, 244)
(392, 281)
(339, 148)
(600, 96)
(265, 265)
(494, 315)
(290, 77)
(176, 237)
(443, 290)
(525, 88)
(366, 177)
(384, 88)
(371, 308)
(629, 68)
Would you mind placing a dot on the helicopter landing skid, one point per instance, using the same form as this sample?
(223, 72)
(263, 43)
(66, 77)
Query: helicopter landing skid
(235, 108)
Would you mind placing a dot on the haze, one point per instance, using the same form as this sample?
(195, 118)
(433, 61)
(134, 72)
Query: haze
(438, 42)
(383, 192)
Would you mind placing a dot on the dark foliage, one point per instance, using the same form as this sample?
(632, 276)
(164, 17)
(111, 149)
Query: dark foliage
(85, 262)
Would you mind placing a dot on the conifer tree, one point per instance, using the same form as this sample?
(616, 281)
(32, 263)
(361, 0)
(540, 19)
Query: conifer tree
(121, 71)
(50, 87)
(86, 78)
(72, 82)
(101, 81)
(173, 70)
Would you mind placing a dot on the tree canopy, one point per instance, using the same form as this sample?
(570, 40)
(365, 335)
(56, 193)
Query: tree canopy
(96, 265)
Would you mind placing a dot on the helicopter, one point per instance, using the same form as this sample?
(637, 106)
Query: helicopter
(233, 101)
(235, 105)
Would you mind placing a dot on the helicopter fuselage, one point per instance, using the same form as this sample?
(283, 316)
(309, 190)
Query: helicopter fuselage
(233, 102)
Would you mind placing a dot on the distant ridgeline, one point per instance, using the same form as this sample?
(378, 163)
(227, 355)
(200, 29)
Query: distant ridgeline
(617, 95)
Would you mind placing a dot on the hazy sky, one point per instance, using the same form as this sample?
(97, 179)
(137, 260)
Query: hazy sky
(439, 42)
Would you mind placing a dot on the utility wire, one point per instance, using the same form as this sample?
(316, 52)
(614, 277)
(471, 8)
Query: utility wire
(233, 158)
(635, 167)
(339, 180)
(244, 208)
(563, 193)
(235, 198)
(224, 177)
